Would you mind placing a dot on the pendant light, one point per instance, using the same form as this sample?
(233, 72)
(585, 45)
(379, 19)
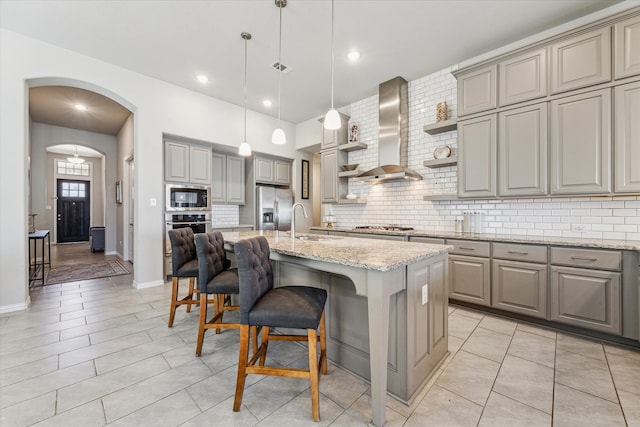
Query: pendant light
(75, 159)
(332, 119)
(278, 137)
(245, 148)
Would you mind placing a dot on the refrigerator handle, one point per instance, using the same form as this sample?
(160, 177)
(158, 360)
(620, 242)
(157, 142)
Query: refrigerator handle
(276, 216)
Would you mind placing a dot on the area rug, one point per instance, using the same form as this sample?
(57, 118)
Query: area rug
(75, 272)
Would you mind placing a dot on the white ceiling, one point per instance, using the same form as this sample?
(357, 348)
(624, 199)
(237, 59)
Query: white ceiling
(175, 40)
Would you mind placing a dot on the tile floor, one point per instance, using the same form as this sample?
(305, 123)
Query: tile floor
(99, 352)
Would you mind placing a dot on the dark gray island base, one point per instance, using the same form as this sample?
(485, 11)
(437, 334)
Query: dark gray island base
(377, 324)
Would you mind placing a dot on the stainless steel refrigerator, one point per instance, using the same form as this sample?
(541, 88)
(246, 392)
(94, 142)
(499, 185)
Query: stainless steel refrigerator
(274, 208)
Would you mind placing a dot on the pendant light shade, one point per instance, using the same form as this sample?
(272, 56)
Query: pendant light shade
(245, 147)
(75, 159)
(278, 137)
(332, 118)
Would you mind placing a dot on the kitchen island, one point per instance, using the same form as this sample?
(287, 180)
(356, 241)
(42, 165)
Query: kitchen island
(386, 310)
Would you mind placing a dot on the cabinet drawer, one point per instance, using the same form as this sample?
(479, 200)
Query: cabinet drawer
(431, 240)
(587, 258)
(516, 252)
(469, 247)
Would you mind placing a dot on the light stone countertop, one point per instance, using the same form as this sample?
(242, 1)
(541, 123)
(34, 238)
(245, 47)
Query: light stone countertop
(630, 245)
(368, 254)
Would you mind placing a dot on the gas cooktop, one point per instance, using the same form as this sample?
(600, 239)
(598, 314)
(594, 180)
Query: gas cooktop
(391, 227)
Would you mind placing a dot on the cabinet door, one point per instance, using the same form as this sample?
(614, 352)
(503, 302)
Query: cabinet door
(469, 279)
(523, 77)
(176, 162)
(627, 48)
(581, 61)
(282, 172)
(329, 165)
(627, 138)
(586, 298)
(199, 165)
(581, 143)
(263, 170)
(477, 90)
(477, 157)
(522, 151)
(520, 287)
(219, 178)
(235, 180)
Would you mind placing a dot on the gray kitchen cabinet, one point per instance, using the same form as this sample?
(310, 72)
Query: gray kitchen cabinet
(187, 163)
(477, 141)
(430, 240)
(522, 151)
(523, 77)
(228, 179)
(519, 279)
(332, 187)
(334, 138)
(581, 143)
(469, 271)
(627, 48)
(477, 90)
(627, 138)
(272, 171)
(580, 61)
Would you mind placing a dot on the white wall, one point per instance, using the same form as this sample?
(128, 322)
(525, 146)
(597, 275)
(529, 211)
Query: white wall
(158, 108)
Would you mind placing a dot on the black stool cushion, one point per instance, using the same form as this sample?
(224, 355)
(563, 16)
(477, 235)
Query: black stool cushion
(188, 269)
(289, 307)
(183, 250)
(224, 283)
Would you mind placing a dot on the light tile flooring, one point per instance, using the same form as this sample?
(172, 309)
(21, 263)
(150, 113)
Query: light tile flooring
(99, 352)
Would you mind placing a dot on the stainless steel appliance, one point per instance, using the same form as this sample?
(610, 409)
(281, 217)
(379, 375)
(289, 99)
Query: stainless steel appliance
(198, 222)
(179, 197)
(273, 208)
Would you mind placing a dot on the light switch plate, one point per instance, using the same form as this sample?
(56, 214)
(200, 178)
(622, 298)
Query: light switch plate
(425, 294)
(153, 203)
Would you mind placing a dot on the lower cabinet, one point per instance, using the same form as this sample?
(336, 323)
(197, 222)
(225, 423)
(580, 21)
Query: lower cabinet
(470, 279)
(520, 287)
(586, 298)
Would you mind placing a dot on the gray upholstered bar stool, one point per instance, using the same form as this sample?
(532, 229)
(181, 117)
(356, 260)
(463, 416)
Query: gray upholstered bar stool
(216, 279)
(294, 307)
(184, 264)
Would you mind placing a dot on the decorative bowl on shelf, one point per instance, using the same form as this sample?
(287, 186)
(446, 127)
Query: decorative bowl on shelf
(351, 196)
(350, 167)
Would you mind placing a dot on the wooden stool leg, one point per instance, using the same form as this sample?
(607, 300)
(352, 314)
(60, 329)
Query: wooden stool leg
(242, 366)
(190, 296)
(174, 300)
(201, 322)
(219, 303)
(264, 345)
(313, 373)
(323, 346)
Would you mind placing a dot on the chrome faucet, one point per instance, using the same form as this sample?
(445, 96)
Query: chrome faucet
(293, 219)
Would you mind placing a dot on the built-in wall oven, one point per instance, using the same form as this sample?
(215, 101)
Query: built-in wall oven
(179, 197)
(198, 222)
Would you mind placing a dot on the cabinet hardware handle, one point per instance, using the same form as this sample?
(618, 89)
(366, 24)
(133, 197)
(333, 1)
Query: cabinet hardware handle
(519, 253)
(466, 248)
(580, 258)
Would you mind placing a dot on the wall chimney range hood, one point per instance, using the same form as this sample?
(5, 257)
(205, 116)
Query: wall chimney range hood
(393, 142)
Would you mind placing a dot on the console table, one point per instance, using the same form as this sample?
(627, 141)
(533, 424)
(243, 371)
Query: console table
(34, 237)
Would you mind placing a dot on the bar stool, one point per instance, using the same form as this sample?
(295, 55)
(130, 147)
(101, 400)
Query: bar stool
(295, 307)
(215, 279)
(184, 264)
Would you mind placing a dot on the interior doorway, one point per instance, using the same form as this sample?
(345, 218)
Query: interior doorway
(73, 210)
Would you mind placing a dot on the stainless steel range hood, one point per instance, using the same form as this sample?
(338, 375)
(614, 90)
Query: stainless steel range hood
(393, 151)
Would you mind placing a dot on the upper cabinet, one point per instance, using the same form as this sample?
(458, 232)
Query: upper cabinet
(523, 77)
(334, 138)
(272, 171)
(627, 48)
(627, 138)
(228, 179)
(581, 143)
(477, 156)
(581, 60)
(477, 90)
(332, 187)
(187, 163)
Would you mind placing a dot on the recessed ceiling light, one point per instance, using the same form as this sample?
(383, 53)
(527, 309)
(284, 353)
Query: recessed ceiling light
(353, 56)
(267, 103)
(202, 78)
(81, 107)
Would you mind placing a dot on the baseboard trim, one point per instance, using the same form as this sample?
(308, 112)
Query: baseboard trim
(15, 307)
(142, 285)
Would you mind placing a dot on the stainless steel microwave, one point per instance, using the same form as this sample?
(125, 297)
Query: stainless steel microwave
(187, 197)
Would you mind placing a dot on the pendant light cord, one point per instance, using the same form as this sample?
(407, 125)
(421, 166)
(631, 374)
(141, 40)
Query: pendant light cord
(279, 64)
(332, 55)
(245, 88)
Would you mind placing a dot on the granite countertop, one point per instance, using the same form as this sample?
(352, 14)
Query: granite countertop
(631, 245)
(378, 255)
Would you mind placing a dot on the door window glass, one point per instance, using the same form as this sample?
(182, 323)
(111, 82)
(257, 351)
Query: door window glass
(73, 189)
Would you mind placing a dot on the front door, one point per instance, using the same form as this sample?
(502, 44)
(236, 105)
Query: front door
(73, 211)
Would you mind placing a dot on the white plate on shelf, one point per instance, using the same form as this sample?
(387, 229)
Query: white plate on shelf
(442, 152)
